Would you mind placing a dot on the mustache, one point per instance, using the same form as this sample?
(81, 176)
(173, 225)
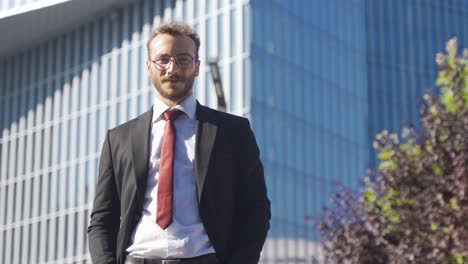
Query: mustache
(173, 78)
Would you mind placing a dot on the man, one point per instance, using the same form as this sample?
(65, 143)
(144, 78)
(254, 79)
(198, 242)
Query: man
(182, 183)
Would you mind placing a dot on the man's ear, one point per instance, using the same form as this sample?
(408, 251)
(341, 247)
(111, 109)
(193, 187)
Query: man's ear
(148, 66)
(197, 67)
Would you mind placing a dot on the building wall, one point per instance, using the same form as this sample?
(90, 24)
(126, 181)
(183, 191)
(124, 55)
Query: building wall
(58, 98)
(328, 75)
(403, 38)
(309, 110)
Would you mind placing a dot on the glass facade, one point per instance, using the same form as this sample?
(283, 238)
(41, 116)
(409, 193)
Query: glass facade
(309, 110)
(402, 40)
(318, 79)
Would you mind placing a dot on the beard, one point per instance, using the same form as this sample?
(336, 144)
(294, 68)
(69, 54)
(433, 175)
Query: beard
(177, 91)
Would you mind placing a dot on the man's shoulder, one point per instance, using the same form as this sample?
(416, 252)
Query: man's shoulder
(126, 127)
(220, 116)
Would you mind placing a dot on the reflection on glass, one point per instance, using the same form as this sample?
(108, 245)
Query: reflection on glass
(233, 32)
(222, 35)
(234, 89)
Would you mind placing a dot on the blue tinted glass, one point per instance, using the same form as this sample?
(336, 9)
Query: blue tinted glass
(234, 87)
(233, 32)
(246, 27)
(221, 37)
(210, 40)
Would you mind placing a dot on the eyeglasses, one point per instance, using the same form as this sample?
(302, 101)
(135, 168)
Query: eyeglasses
(182, 61)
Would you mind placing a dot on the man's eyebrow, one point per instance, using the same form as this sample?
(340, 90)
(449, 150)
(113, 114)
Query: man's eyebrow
(184, 53)
(178, 54)
(159, 55)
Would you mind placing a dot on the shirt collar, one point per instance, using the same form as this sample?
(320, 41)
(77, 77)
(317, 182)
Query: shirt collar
(188, 106)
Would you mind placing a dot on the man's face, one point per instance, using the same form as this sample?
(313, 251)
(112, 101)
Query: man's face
(173, 84)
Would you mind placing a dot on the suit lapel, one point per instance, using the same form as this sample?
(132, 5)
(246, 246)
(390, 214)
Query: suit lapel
(141, 129)
(205, 137)
(205, 134)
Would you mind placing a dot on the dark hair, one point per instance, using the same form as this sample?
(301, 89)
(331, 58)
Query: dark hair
(175, 29)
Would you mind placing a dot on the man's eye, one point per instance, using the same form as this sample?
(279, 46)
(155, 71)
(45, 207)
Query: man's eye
(163, 60)
(184, 60)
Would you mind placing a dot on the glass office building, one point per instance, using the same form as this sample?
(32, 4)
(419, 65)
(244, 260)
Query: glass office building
(309, 110)
(402, 39)
(318, 79)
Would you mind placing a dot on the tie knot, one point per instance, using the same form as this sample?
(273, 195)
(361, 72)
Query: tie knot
(172, 114)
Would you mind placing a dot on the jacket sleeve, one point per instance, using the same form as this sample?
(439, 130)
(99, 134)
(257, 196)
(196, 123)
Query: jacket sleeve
(253, 206)
(104, 224)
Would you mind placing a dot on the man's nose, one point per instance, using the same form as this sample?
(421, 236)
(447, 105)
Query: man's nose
(171, 66)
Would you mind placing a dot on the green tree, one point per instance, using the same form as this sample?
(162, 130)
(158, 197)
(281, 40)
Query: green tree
(415, 208)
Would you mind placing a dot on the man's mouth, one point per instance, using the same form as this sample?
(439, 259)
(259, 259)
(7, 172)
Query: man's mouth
(173, 80)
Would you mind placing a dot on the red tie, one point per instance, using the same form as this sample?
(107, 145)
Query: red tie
(166, 171)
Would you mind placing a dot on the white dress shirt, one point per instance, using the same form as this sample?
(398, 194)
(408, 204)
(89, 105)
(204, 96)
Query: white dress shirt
(186, 236)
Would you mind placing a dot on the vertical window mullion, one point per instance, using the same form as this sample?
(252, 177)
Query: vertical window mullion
(136, 64)
(73, 141)
(123, 73)
(239, 59)
(45, 151)
(114, 79)
(21, 158)
(55, 103)
(6, 141)
(104, 83)
(9, 245)
(94, 105)
(65, 150)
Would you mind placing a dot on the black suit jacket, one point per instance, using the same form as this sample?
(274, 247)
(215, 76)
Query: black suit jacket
(233, 203)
